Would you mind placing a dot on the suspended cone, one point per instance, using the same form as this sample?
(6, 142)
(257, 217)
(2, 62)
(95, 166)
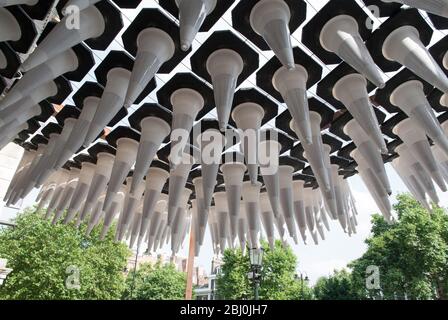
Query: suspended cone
(417, 142)
(155, 47)
(248, 117)
(436, 7)
(442, 159)
(154, 131)
(340, 35)
(191, 17)
(111, 102)
(299, 207)
(242, 227)
(222, 214)
(79, 4)
(224, 66)
(115, 208)
(156, 222)
(351, 91)
(124, 160)
(369, 151)
(62, 38)
(201, 212)
(95, 215)
(179, 221)
(186, 105)
(267, 218)
(131, 204)
(339, 193)
(135, 228)
(270, 19)
(404, 46)
(287, 199)
(410, 98)
(251, 197)
(309, 214)
(68, 194)
(292, 86)
(329, 196)
(444, 100)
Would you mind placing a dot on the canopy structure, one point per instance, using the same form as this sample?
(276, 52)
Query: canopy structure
(245, 118)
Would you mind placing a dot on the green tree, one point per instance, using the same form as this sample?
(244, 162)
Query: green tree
(155, 282)
(48, 260)
(338, 286)
(411, 254)
(279, 281)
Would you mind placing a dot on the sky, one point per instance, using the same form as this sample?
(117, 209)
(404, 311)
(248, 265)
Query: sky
(338, 249)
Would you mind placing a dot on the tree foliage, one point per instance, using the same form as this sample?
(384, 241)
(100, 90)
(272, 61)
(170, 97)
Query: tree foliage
(338, 286)
(279, 281)
(48, 259)
(155, 282)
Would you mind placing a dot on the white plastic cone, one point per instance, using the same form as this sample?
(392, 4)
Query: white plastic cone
(213, 230)
(233, 173)
(62, 182)
(292, 86)
(155, 47)
(444, 100)
(351, 91)
(329, 195)
(79, 132)
(186, 105)
(154, 131)
(25, 161)
(156, 221)
(222, 215)
(178, 223)
(224, 67)
(155, 180)
(270, 19)
(131, 204)
(442, 160)
(6, 3)
(13, 120)
(268, 155)
(417, 142)
(66, 61)
(340, 35)
(404, 46)
(287, 199)
(9, 26)
(67, 194)
(267, 218)
(96, 214)
(251, 197)
(80, 193)
(437, 7)
(201, 212)
(309, 213)
(136, 227)
(111, 102)
(45, 198)
(78, 4)
(124, 160)
(299, 207)
(369, 151)
(177, 181)
(410, 98)
(100, 179)
(61, 38)
(248, 117)
(242, 227)
(192, 14)
(110, 215)
(12, 133)
(339, 193)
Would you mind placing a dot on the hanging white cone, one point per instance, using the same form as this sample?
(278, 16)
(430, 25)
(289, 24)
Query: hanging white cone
(351, 91)
(233, 173)
(292, 86)
(177, 181)
(299, 207)
(270, 19)
(62, 182)
(267, 218)
(251, 197)
(46, 198)
(9, 26)
(186, 105)
(124, 160)
(404, 46)
(369, 151)
(61, 38)
(410, 98)
(417, 170)
(111, 102)
(78, 4)
(340, 35)
(201, 212)
(181, 215)
(192, 14)
(309, 213)
(442, 160)
(417, 142)
(67, 194)
(287, 199)
(321, 208)
(131, 204)
(6, 3)
(222, 215)
(242, 227)
(155, 180)
(135, 227)
(96, 214)
(248, 117)
(100, 179)
(10, 136)
(13, 120)
(155, 47)
(115, 208)
(444, 100)
(156, 221)
(79, 132)
(224, 67)
(213, 230)
(25, 161)
(338, 190)
(64, 62)
(329, 195)
(437, 7)
(80, 193)
(154, 131)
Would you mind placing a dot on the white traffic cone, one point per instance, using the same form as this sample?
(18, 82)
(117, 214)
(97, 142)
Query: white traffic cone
(267, 218)
(224, 66)
(351, 91)
(270, 19)
(192, 14)
(251, 197)
(248, 117)
(340, 35)
(410, 98)
(404, 46)
(417, 142)
(437, 7)
(292, 86)
(299, 207)
(369, 151)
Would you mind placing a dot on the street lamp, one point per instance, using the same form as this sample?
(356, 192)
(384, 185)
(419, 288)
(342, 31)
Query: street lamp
(256, 263)
(4, 272)
(302, 282)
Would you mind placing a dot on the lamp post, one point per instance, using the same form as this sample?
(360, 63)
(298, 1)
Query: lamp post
(302, 282)
(256, 263)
